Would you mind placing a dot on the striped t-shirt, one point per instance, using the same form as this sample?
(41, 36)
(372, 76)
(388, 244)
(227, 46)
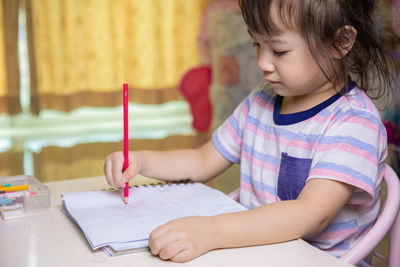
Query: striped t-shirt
(342, 139)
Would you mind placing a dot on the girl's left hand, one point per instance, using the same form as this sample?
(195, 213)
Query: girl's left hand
(184, 239)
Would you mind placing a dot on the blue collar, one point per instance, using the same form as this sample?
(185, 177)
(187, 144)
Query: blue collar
(292, 118)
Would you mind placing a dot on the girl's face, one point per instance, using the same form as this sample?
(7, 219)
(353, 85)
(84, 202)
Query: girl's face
(287, 63)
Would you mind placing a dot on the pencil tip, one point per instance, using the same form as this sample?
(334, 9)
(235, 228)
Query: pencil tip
(125, 200)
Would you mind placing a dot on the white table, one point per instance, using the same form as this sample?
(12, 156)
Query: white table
(49, 238)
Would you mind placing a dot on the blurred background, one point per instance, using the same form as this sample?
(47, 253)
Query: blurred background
(188, 63)
(63, 64)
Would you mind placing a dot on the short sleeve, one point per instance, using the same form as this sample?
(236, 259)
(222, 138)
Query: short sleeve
(352, 150)
(227, 138)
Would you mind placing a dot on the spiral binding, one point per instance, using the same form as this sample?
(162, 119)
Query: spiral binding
(160, 184)
(163, 184)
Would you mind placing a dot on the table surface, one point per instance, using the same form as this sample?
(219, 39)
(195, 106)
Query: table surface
(49, 238)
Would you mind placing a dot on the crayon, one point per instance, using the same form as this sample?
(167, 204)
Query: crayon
(15, 188)
(5, 201)
(16, 206)
(12, 214)
(18, 194)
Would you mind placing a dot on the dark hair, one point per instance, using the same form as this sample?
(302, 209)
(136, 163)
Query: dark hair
(368, 62)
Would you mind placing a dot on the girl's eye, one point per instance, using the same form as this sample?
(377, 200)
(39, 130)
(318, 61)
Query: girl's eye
(255, 44)
(280, 53)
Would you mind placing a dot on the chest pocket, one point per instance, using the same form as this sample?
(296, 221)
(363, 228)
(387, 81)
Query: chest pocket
(293, 173)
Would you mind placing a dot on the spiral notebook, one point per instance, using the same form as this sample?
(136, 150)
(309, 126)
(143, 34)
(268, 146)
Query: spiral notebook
(117, 228)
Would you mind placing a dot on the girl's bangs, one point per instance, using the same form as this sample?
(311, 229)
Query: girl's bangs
(257, 15)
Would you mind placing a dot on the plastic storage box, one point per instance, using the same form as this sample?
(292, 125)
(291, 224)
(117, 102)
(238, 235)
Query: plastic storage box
(18, 203)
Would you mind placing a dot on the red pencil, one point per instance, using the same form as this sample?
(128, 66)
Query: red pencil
(126, 141)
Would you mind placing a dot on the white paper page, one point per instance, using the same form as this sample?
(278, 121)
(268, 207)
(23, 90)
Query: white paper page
(106, 220)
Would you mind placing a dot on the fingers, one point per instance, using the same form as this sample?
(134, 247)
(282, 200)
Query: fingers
(159, 238)
(168, 245)
(130, 172)
(108, 168)
(182, 256)
(175, 251)
(117, 166)
(113, 168)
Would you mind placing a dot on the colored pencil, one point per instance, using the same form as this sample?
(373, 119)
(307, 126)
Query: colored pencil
(126, 141)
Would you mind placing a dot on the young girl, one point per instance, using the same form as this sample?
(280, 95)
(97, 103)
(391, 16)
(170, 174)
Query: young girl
(310, 142)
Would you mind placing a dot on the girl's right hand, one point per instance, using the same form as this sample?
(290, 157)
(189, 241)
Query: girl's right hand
(113, 168)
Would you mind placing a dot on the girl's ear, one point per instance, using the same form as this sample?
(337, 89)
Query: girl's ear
(344, 40)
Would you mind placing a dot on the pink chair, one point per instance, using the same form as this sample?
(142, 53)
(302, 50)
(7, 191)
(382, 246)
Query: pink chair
(387, 222)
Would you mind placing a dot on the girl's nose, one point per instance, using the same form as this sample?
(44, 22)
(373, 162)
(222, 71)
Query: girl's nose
(265, 63)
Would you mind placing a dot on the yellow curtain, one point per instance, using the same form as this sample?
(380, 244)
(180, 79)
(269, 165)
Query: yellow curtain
(9, 67)
(3, 79)
(82, 51)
